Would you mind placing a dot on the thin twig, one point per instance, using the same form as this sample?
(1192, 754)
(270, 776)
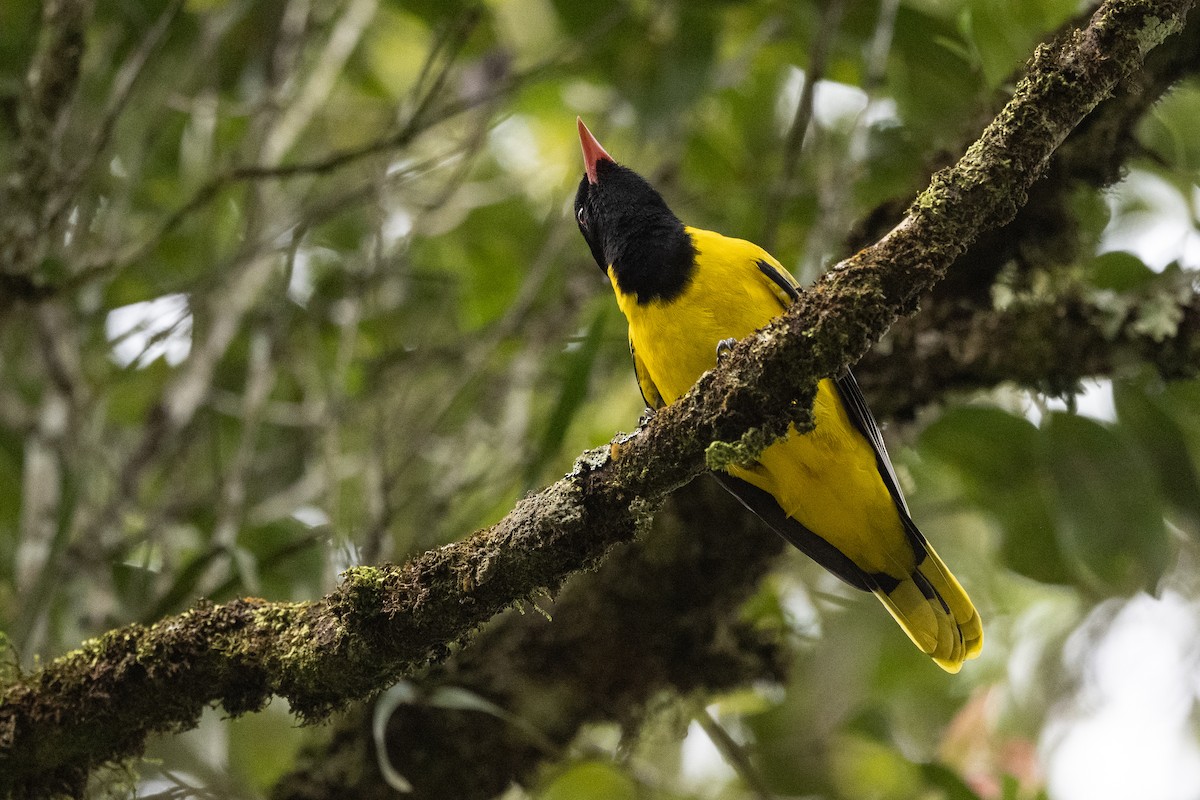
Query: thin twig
(826, 32)
(833, 195)
(183, 395)
(448, 47)
(424, 117)
(27, 193)
(261, 373)
(733, 753)
(472, 363)
(337, 159)
(342, 41)
(123, 84)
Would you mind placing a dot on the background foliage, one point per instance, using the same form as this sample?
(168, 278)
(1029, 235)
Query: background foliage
(313, 298)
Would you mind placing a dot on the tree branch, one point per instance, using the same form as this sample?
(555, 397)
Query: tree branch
(1049, 346)
(664, 614)
(101, 701)
(1078, 333)
(1045, 233)
(28, 206)
(690, 572)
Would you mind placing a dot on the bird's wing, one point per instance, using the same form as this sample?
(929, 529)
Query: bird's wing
(856, 408)
(785, 287)
(649, 391)
(767, 508)
(788, 291)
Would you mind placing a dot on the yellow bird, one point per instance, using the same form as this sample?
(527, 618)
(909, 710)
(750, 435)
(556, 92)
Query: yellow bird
(831, 492)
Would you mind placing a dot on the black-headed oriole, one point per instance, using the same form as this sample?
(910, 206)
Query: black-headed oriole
(831, 492)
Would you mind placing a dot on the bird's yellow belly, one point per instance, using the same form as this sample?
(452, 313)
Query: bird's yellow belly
(676, 357)
(826, 479)
(677, 340)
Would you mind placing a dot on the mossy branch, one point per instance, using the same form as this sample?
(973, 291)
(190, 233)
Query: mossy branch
(100, 702)
(1049, 346)
(664, 614)
(836, 322)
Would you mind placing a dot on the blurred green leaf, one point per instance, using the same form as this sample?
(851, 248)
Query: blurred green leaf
(137, 392)
(679, 75)
(1120, 272)
(245, 568)
(18, 25)
(1109, 509)
(865, 767)
(182, 588)
(948, 782)
(133, 583)
(929, 77)
(1010, 788)
(999, 458)
(488, 267)
(1004, 31)
(591, 780)
(287, 556)
(988, 444)
(1146, 413)
(1169, 131)
(581, 18)
(263, 746)
(11, 470)
(573, 379)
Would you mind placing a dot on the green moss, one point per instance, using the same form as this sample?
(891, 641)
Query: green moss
(722, 455)
(362, 588)
(1154, 30)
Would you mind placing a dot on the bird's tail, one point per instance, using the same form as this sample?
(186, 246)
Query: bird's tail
(933, 609)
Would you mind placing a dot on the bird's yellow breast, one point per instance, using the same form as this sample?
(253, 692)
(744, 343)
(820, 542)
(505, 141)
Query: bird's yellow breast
(677, 338)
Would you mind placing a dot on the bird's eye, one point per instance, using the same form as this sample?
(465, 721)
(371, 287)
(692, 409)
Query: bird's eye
(579, 217)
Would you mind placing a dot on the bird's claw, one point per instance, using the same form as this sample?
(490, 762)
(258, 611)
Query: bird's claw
(724, 348)
(647, 415)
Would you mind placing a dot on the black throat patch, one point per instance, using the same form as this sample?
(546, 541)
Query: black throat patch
(627, 224)
(657, 264)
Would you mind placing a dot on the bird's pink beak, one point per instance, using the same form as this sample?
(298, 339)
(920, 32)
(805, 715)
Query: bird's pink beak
(592, 151)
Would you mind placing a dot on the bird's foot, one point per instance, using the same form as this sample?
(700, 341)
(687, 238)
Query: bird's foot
(647, 415)
(724, 348)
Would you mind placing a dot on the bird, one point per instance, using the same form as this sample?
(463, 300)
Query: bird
(688, 294)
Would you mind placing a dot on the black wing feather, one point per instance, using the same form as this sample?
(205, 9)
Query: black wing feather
(767, 509)
(864, 421)
(650, 394)
(782, 281)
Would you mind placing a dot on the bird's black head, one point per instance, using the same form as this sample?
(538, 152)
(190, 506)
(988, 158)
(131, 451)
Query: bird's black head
(628, 225)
